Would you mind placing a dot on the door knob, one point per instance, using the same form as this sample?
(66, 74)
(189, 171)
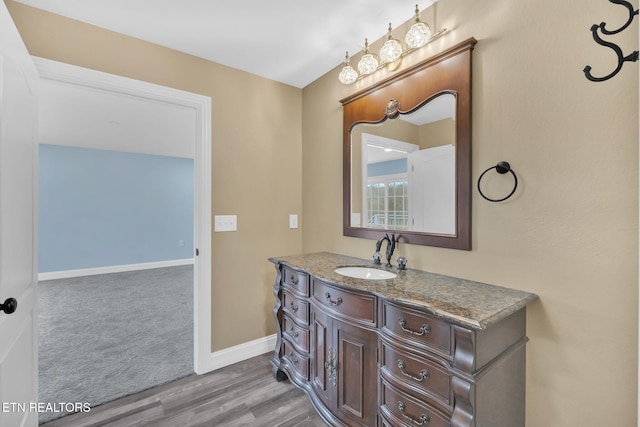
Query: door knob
(9, 306)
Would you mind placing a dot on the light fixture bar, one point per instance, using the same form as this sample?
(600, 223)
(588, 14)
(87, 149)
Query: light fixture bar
(392, 51)
(404, 53)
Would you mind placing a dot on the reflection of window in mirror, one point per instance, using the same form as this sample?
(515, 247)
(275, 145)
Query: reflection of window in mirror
(388, 203)
(385, 176)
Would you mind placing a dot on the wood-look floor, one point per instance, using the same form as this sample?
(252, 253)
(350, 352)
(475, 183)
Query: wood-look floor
(237, 395)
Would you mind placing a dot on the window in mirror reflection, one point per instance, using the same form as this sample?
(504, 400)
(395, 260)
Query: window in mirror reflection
(387, 204)
(403, 171)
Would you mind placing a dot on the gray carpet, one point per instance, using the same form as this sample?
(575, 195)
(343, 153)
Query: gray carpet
(107, 336)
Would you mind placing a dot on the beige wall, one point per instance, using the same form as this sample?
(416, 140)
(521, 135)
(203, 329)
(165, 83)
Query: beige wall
(570, 232)
(256, 157)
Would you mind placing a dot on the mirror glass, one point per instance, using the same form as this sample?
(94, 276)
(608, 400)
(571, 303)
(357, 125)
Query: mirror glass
(403, 170)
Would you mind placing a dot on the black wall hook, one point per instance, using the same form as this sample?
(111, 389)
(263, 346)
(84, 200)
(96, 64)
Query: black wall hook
(633, 57)
(501, 168)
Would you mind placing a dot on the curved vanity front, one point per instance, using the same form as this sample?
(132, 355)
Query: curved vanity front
(417, 349)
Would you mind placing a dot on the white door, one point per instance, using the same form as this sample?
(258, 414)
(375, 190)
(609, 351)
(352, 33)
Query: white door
(432, 190)
(18, 279)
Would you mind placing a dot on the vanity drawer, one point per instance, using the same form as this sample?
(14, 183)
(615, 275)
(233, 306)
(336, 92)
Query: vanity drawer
(416, 328)
(296, 280)
(298, 335)
(400, 409)
(295, 307)
(420, 375)
(349, 304)
(298, 361)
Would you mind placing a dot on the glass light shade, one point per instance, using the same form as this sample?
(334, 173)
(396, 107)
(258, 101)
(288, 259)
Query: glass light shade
(348, 75)
(368, 64)
(418, 35)
(391, 50)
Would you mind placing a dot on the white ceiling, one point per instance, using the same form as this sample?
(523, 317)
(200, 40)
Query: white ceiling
(80, 116)
(440, 108)
(290, 41)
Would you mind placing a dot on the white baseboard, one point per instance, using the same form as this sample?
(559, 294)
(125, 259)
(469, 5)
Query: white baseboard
(112, 269)
(235, 354)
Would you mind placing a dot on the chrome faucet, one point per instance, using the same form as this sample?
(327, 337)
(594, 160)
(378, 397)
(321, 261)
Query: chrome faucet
(391, 246)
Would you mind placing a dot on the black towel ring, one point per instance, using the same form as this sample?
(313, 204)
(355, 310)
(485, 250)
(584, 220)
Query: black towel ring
(501, 168)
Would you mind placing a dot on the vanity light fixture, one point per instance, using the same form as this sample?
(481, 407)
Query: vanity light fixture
(418, 35)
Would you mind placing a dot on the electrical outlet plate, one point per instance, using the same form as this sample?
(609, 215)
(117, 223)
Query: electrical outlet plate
(225, 223)
(293, 221)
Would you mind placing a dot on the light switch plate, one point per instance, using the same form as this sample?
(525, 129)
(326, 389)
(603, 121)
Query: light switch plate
(226, 223)
(293, 221)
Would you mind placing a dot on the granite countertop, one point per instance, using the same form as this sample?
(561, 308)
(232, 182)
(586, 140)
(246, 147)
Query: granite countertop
(465, 302)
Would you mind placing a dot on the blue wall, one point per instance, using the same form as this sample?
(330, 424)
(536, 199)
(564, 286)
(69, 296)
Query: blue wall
(103, 208)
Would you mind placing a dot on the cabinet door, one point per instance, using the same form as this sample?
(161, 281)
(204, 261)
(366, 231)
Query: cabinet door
(357, 374)
(323, 353)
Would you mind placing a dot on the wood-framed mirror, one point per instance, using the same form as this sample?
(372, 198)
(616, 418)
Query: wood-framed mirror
(407, 154)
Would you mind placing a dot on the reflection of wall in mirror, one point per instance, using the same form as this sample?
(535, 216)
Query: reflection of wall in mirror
(435, 134)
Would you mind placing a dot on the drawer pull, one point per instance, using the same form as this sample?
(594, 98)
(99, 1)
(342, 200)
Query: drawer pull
(424, 329)
(424, 374)
(294, 333)
(424, 418)
(293, 307)
(295, 280)
(336, 302)
(294, 359)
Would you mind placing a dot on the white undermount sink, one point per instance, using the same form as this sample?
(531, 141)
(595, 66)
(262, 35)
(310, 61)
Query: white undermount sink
(365, 273)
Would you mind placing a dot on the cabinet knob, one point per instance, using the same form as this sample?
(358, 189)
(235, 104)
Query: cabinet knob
(293, 358)
(293, 332)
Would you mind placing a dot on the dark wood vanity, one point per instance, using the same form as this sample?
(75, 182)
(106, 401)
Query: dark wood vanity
(420, 349)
